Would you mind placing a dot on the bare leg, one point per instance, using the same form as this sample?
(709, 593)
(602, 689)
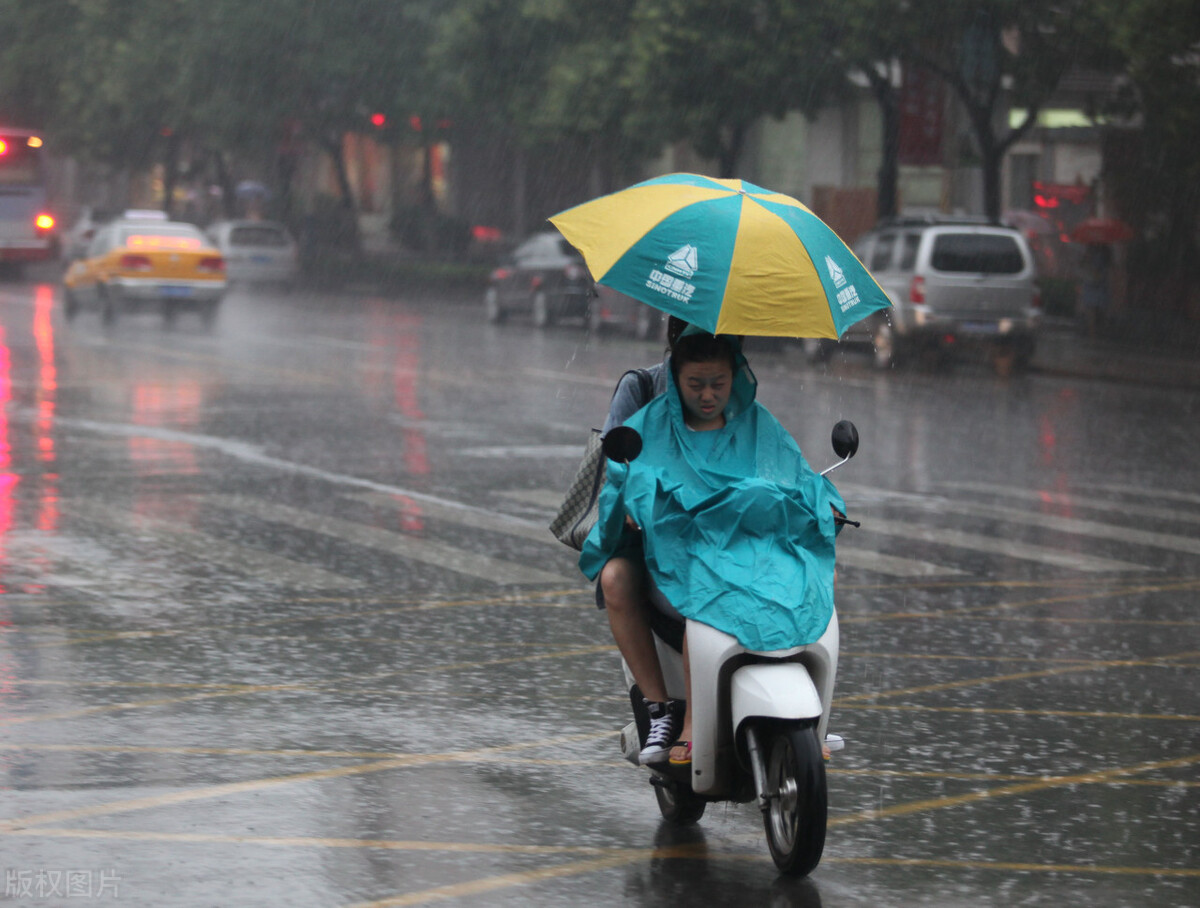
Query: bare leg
(679, 751)
(624, 587)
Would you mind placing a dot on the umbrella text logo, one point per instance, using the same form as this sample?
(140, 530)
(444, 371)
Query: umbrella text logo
(684, 261)
(673, 287)
(835, 272)
(848, 298)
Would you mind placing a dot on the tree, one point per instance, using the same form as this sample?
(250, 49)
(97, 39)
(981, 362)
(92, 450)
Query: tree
(1153, 168)
(996, 55)
(707, 70)
(852, 28)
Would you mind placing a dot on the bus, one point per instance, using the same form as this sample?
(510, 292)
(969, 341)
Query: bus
(27, 231)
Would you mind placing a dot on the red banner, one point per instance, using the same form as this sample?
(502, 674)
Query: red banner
(922, 111)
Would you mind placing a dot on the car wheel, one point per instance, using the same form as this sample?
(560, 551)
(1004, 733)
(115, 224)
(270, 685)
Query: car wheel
(208, 315)
(542, 317)
(884, 347)
(491, 306)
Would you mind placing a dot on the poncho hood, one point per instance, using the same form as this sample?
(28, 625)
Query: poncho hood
(737, 529)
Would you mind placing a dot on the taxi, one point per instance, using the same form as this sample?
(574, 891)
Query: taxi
(140, 264)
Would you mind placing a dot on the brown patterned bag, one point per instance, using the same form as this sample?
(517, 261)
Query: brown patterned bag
(581, 506)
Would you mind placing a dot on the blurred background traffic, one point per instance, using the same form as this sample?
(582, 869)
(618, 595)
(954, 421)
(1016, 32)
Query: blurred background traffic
(426, 141)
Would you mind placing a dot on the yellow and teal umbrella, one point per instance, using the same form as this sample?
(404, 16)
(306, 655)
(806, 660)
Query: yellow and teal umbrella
(724, 255)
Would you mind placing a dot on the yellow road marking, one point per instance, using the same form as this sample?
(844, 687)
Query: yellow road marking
(1015, 867)
(205, 838)
(232, 788)
(248, 689)
(600, 859)
(1090, 778)
(1163, 661)
(1036, 713)
(405, 605)
(526, 877)
(1008, 606)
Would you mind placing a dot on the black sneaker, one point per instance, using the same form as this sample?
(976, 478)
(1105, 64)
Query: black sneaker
(662, 733)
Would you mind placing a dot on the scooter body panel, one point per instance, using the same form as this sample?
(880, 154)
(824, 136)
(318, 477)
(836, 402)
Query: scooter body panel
(779, 690)
(802, 690)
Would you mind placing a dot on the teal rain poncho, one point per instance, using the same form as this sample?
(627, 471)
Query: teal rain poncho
(737, 530)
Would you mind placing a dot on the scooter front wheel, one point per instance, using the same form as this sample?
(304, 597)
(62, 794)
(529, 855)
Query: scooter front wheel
(679, 805)
(798, 802)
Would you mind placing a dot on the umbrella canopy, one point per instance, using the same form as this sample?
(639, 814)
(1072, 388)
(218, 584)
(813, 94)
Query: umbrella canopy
(724, 255)
(1101, 230)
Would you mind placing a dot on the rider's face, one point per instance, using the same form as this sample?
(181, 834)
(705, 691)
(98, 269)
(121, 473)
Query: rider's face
(704, 390)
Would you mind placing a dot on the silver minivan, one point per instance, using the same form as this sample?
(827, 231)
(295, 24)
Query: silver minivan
(952, 283)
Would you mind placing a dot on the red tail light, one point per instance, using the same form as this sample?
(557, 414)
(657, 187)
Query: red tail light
(1036, 302)
(131, 262)
(213, 264)
(44, 221)
(500, 274)
(536, 282)
(916, 290)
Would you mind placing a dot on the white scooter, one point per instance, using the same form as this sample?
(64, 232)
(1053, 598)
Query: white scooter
(758, 718)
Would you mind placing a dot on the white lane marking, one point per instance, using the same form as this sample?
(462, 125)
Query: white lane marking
(208, 549)
(1190, 497)
(879, 563)
(991, 545)
(413, 548)
(495, 523)
(253, 454)
(1076, 527)
(523, 451)
(540, 498)
(1072, 500)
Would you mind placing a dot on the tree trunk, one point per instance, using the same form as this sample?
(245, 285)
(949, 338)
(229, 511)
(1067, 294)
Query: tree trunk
(429, 210)
(170, 173)
(731, 151)
(225, 181)
(520, 218)
(337, 155)
(888, 178)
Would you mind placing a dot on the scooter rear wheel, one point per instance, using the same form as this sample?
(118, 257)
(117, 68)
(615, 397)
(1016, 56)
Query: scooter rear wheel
(678, 804)
(798, 805)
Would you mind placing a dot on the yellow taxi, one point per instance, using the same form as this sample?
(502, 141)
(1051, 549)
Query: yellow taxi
(139, 264)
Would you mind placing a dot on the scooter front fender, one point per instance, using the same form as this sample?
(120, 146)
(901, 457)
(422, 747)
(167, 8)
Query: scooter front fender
(782, 690)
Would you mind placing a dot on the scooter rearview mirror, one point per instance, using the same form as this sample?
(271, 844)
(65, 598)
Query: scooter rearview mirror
(622, 444)
(845, 439)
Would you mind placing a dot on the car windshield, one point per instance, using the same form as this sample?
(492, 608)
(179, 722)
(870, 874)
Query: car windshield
(977, 253)
(162, 236)
(257, 235)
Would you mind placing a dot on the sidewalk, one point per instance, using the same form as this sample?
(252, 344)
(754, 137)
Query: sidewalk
(1063, 350)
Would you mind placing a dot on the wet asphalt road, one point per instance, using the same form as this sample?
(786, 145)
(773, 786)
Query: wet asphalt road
(281, 625)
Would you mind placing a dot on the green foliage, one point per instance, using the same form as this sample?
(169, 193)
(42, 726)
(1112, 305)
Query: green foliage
(705, 70)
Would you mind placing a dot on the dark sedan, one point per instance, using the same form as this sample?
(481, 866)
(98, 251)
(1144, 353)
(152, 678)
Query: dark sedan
(544, 277)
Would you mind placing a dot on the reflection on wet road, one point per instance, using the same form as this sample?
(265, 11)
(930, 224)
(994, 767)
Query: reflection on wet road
(280, 623)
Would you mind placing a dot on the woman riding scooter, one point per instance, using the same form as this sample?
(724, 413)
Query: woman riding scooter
(734, 528)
